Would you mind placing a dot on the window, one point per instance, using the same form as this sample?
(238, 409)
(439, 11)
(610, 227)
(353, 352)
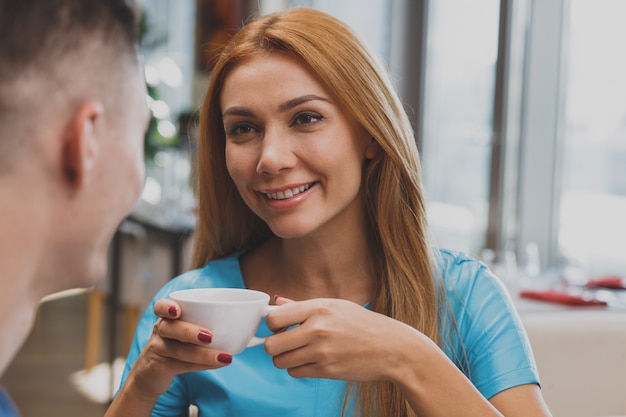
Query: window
(566, 132)
(462, 46)
(168, 49)
(570, 202)
(168, 53)
(592, 209)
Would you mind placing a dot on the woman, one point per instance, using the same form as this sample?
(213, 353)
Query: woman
(309, 189)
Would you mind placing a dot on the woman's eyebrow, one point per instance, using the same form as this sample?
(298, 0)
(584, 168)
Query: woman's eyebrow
(294, 102)
(238, 111)
(288, 105)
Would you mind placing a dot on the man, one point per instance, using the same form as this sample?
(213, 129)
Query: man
(72, 118)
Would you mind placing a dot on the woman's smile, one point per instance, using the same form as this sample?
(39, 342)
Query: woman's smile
(287, 193)
(288, 197)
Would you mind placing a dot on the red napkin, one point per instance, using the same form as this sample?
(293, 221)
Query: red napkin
(611, 282)
(561, 297)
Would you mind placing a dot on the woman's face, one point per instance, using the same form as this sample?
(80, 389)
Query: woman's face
(295, 156)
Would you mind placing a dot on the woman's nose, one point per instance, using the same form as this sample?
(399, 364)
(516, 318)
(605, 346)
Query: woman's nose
(276, 152)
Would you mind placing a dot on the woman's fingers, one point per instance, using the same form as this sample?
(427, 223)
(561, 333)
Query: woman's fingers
(336, 339)
(285, 341)
(292, 312)
(184, 341)
(175, 354)
(312, 340)
(167, 309)
(162, 359)
(168, 325)
(183, 332)
(189, 357)
(280, 300)
(175, 347)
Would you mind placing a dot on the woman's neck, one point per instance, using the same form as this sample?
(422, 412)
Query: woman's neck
(310, 268)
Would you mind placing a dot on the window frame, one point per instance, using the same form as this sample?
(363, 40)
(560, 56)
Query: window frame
(527, 122)
(541, 140)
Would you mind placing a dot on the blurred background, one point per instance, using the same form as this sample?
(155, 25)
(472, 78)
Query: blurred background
(519, 111)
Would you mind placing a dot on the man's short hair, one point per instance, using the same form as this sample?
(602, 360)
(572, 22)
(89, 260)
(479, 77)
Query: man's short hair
(43, 40)
(34, 32)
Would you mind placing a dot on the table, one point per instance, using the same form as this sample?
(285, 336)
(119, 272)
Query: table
(581, 356)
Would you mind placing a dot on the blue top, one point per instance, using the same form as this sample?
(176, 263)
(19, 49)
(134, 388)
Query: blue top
(7, 408)
(490, 347)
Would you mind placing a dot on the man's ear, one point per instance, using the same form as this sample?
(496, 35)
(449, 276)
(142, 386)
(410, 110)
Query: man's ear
(79, 143)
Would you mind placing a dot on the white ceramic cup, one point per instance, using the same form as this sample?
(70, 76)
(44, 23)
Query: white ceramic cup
(232, 315)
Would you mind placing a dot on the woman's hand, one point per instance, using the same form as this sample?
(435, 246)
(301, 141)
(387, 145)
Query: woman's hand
(339, 339)
(174, 347)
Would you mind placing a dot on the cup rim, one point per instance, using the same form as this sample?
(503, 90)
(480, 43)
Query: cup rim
(183, 295)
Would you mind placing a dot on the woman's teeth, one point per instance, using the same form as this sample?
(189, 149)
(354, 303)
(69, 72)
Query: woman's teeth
(282, 195)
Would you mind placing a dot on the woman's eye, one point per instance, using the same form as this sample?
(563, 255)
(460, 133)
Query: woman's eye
(307, 119)
(240, 129)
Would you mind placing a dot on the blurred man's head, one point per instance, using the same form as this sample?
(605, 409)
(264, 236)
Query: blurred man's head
(72, 119)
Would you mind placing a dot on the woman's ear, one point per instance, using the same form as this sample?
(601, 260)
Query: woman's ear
(372, 148)
(80, 144)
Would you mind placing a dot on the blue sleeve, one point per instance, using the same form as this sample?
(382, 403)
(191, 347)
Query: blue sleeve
(490, 345)
(7, 408)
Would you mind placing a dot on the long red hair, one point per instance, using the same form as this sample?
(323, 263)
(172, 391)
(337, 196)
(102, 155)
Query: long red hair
(391, 187)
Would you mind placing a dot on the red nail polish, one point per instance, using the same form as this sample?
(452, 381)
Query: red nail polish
(172, 311)
(224, 358)
(205, 337)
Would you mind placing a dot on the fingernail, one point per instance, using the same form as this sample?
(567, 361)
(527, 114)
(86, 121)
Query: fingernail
(172, 311)
(224, 358)
(276, 297)
(205, 337)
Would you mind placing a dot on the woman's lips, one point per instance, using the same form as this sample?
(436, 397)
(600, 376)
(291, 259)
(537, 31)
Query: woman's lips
(288, 193)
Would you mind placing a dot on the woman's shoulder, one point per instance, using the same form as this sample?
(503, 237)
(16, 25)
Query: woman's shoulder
(457, 266)
(466, 277)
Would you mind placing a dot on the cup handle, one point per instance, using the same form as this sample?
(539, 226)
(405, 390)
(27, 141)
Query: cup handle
(258, 340)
